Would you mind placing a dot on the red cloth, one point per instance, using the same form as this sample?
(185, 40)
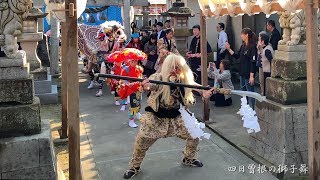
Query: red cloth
(116, 71)
(116, 56)
(134, 54)
(132, 71)
(127, 54)
(127, 88)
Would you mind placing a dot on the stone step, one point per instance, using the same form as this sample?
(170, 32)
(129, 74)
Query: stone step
(7, 62)
(40, 74)
(286, 92)
(49, 98)
(289, 70)
(292, 53)
(28, 157)
(44, 86)
(20, 120)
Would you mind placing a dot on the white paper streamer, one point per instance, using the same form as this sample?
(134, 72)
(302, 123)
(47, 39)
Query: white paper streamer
(193, 126)
(250, 120)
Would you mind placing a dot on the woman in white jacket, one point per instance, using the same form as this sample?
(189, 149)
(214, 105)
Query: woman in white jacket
(222, 79)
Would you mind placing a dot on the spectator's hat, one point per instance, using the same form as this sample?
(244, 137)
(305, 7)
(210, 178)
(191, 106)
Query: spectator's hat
(135, 35)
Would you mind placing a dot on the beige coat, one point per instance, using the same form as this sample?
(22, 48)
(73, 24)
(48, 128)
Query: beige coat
(224, 78)
(162, 47)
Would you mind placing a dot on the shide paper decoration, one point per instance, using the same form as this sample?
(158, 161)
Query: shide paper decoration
(250, 120)
(239, 7)
(193, 126)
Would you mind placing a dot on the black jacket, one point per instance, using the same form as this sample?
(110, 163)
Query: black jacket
(247, 57)
(275, 38)
(163, 34)
(195, 62)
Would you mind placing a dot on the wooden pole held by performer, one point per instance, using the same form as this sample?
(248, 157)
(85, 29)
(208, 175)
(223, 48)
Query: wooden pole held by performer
(217, 90)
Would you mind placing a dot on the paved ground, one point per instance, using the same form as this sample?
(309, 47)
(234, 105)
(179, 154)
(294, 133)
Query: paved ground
(107, 144)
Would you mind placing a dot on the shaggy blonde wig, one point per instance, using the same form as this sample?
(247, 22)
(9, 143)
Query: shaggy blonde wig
(171, 63)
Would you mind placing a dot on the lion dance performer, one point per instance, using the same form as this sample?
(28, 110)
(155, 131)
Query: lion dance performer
(110, 35)
(163, 117)
(117, 59)
(132, 89)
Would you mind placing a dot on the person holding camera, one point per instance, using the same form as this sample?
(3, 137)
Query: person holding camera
(222, 79)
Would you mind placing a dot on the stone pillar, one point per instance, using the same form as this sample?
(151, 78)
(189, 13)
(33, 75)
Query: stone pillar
(40, 23)
(17, 87)
(145, 13)
(126, 18)
(54, 46)
(29, 43)
(26, 145)
(283, 117)
(26, 148)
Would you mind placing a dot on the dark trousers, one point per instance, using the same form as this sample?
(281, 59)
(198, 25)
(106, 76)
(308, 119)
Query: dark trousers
(221, 101)
(96, 69)
(220, 56)
(265, 75)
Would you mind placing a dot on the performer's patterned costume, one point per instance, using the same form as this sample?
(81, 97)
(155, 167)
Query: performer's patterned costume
(161, 121)
(135, 97)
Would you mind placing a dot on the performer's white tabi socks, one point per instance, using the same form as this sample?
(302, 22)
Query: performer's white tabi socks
(132, 124)
(91, 85)
(138, 115)
(99, 93)
(117, 103)
(123, 108)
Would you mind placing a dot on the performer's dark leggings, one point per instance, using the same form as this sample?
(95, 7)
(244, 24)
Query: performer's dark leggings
(92, 78)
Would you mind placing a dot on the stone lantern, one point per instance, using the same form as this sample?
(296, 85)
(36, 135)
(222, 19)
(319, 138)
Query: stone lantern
(31, 35)
(145, 13)
(180, 22)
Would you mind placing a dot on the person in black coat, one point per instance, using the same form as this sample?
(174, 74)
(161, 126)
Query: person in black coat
(194, 53)
(247, 56)
(275, 36)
